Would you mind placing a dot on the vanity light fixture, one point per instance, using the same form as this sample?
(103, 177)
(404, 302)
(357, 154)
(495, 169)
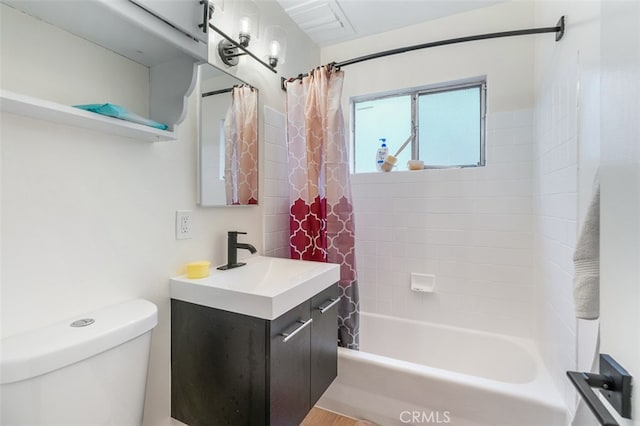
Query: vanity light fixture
(230, 50)
(248, 18)
(276, 43)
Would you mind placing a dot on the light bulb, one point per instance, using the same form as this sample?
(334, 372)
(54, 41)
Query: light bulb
(244, 25)
(274, 48)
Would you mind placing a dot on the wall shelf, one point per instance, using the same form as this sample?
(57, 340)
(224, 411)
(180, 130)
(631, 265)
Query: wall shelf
(50, 111)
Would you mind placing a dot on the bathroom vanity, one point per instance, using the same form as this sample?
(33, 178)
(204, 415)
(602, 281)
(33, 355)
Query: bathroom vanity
(256, 345)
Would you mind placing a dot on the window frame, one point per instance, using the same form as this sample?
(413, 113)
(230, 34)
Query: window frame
(414, 93)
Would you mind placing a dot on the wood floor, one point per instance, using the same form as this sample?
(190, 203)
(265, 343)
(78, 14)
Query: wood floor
(320, 417)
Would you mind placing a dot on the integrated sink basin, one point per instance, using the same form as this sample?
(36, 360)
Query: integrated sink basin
(266, 287)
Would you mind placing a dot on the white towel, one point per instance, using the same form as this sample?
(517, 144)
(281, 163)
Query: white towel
(586, 260)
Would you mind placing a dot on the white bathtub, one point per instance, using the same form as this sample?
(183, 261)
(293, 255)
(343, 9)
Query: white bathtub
(410, 372)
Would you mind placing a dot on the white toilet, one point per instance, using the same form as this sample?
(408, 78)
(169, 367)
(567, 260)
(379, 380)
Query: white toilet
(89, 370)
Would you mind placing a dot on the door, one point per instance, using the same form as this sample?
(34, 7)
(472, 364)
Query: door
(289, 366)
(218, 366)
(185, 15)
(324, 341)
(620, 191)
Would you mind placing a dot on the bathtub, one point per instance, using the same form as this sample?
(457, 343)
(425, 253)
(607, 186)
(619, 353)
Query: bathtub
(410, 372)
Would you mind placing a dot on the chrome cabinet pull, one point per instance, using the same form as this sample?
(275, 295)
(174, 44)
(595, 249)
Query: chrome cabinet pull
(303, 325)
(332, 303)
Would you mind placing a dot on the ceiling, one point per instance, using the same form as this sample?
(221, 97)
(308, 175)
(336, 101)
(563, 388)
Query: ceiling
(329, 22)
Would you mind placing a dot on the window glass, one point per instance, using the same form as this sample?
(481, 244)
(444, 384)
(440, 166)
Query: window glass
(449, 127)
(388, 118)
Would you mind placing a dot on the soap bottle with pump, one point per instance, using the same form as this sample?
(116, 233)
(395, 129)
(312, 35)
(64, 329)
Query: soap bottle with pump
(382, 153)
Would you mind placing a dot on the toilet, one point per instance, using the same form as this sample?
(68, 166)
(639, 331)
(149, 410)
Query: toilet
(89, 370)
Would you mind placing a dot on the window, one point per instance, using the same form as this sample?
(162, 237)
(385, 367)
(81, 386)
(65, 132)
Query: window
(449, 125)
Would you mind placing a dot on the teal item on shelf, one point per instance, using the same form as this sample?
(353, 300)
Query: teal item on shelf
(122, 113)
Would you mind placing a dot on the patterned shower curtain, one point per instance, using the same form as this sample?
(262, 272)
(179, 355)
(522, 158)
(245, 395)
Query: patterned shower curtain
(241, 147)
(321, 214)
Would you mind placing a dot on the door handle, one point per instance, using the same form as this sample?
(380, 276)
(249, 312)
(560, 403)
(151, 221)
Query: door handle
(615, 384)
(303, 325)
(332, 303)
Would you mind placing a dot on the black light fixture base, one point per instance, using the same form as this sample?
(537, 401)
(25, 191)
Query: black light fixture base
(228, 53)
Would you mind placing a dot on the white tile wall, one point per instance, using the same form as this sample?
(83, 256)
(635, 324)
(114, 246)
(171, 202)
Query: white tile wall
(276, 184)
(470, 227)
(555, 170)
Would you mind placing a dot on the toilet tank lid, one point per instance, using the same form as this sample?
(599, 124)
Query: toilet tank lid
(43, 350)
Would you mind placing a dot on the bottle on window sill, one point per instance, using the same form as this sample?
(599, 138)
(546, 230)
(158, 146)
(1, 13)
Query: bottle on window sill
(383, 151)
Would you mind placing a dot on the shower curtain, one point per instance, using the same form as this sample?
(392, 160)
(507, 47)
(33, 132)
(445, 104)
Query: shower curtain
(241, 147)
(321, 214)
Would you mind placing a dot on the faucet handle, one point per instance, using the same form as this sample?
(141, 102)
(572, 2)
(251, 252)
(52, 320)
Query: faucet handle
(236, 233)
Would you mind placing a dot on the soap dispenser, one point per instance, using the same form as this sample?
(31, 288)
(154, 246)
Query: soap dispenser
(382, 153)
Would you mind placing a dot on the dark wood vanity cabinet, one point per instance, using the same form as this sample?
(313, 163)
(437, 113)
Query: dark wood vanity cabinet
(234, 369)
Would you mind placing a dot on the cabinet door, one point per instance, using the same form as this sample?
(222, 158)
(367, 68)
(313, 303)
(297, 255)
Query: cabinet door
(289, 375)
(185, 15)
(218, 366)
(324, 341)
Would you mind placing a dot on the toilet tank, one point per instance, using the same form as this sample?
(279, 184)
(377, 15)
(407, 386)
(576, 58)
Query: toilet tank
(88, 370)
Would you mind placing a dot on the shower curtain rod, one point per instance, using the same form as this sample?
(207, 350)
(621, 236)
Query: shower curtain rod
(217, 92)
(559, 29)
(227, 90)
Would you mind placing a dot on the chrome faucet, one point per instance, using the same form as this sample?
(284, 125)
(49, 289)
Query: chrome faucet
(232, 250)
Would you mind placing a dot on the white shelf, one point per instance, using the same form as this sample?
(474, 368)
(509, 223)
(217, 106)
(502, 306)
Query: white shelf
(63, 114)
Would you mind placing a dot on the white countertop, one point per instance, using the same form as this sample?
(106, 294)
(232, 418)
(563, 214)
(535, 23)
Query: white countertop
(266, 287)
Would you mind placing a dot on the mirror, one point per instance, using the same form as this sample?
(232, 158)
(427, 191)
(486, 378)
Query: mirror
(228, 139)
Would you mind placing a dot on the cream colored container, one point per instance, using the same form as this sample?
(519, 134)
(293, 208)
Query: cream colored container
(415, 165)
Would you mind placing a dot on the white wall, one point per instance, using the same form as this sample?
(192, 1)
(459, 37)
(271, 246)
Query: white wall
(566, 156)
(88, 218)
(620, 204)
(470, 227)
